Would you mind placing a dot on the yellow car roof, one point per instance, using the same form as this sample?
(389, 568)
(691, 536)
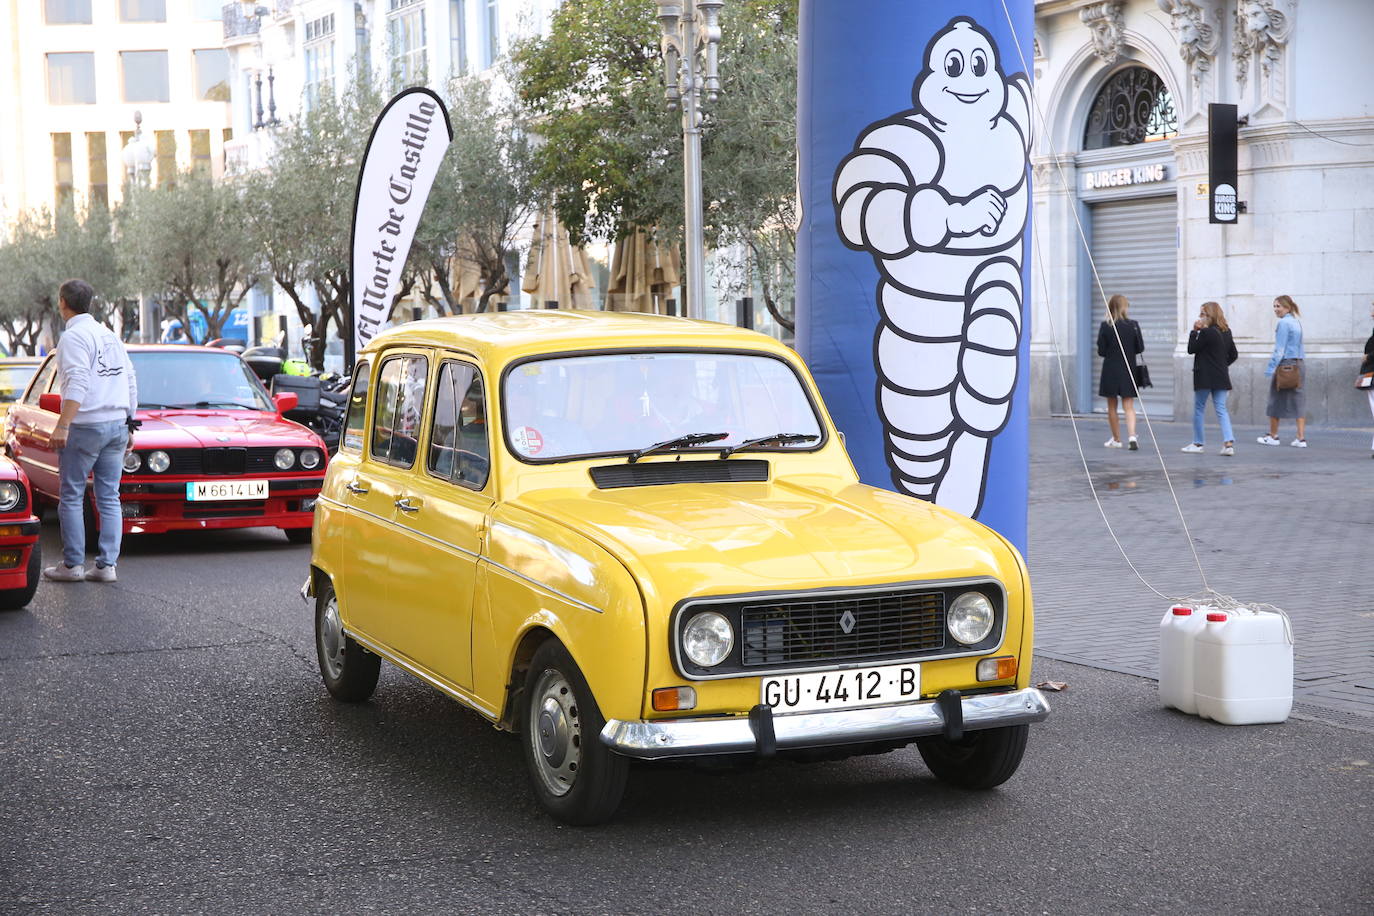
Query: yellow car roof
(500, 336)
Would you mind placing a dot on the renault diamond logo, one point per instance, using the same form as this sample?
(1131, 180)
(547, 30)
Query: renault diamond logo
(847, 622)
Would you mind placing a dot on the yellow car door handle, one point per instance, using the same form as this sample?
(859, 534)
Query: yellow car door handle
(354, 487)
(405, 505)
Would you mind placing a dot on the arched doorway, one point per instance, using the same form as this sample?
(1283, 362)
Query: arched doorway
(1128, 190)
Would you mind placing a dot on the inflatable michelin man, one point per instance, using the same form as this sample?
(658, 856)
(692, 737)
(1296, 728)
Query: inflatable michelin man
(939, 196)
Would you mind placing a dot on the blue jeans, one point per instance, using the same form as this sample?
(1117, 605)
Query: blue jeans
(1223, 417)
(97, 449)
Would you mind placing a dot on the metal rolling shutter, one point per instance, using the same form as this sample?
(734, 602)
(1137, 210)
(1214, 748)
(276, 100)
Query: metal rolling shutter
(1135, 250)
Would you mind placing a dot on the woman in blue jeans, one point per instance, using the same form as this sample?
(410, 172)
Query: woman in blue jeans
(1213, 351)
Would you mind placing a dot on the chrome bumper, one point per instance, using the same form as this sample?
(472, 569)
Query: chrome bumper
(652, 740)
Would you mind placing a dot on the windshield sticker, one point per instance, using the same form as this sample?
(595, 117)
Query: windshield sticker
(527, 441)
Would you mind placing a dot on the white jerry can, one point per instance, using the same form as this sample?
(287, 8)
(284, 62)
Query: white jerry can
(1176, 634)
(1243, 668)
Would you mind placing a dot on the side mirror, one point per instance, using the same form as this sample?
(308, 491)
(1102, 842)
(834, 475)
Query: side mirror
(50, 402)
(286, 400)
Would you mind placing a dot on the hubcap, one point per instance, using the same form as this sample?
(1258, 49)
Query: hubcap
(332, 639)
(556, 733)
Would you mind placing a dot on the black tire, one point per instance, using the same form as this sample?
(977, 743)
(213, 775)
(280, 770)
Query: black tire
(576, 778)
(349, 671)
(981, 760)
(297, 535)
(12, 599)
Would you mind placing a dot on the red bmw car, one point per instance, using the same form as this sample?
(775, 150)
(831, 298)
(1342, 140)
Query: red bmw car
(20, 561)
(213, 452)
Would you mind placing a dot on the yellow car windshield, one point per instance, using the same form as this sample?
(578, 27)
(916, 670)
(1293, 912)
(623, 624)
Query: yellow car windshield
(620, 403)
(13, 381)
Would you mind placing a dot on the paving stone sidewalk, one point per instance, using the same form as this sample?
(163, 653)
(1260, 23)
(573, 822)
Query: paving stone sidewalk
(1277, 525)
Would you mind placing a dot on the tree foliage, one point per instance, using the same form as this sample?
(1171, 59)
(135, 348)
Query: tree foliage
(44, 249)
(484, 192)
(187, 244)
(299, 210)
(613, 150)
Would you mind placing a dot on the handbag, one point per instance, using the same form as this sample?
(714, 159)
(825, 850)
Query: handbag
(1364, 380)
(1287, 376)
(1142, 376)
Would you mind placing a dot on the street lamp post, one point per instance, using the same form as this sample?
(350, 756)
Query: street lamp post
(138, 173)
(690, 45)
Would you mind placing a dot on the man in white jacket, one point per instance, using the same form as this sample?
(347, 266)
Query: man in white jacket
(99, 397)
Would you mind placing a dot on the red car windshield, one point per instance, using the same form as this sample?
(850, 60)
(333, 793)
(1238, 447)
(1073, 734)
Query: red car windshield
(197, 378)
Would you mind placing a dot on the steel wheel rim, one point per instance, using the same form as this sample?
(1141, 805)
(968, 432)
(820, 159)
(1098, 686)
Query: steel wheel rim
(555, 733)
(332, 639)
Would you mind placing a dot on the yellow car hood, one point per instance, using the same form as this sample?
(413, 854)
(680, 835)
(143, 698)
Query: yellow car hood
(695, 539)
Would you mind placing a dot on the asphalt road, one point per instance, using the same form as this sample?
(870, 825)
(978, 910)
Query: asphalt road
(166, 747)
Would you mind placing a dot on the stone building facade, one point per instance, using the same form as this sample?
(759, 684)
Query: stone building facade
(1121, 187)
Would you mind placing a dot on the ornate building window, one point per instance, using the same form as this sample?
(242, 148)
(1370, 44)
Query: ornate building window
(1133, 107)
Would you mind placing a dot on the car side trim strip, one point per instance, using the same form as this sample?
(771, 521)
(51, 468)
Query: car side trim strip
(461, 696)
(406, 528)
(662, 738)
(488, 560)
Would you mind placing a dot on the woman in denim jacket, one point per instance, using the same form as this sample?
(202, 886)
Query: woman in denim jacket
(1290, 402)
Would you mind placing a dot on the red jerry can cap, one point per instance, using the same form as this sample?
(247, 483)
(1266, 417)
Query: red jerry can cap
(1181, 611)
(1216, 617)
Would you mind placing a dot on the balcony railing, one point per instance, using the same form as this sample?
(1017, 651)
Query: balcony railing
(240, 21)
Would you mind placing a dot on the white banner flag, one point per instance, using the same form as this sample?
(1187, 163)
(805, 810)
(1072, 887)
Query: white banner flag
(402, 158)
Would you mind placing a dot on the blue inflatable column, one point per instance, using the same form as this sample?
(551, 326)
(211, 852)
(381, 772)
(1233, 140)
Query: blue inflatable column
(915, 126)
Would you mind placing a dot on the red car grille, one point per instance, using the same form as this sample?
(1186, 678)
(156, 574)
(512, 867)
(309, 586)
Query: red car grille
(216, 461)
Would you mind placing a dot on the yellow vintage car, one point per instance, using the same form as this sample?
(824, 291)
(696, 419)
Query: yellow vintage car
(15, 373)
(629, 537)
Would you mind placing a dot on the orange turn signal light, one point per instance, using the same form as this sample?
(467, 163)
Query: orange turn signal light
(674, 699)
(9, 531)
(997, 669)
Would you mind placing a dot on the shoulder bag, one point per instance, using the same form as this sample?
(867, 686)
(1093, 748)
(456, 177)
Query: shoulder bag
(1142, 376)
(1287, 377)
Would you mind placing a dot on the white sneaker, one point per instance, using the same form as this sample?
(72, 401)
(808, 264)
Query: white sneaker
(1299, 443)
(1112, 443)
(64, 573)
(1193, 449)
(1132, 444)
(1268, 440)
(1228, 450)
(98, 573)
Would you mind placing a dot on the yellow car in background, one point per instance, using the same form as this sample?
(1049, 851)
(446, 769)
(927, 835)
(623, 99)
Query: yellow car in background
(628, 537)
(15, 373)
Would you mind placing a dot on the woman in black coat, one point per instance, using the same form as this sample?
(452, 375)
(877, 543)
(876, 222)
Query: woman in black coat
(1213, 351)
(1118, 367)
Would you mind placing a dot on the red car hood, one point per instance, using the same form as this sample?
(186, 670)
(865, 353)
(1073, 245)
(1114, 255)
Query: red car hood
(218, 429)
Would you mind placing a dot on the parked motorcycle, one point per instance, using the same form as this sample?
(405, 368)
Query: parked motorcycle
(322, 398)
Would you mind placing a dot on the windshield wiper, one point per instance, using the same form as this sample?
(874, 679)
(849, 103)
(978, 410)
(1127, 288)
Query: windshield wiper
(676, 442)
(152, 406)
(212, 404)
(775, 439)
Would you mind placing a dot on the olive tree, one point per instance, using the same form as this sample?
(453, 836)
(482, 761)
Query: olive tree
(45, 248)
(299, 210)
(483, 194)
(188, 245)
